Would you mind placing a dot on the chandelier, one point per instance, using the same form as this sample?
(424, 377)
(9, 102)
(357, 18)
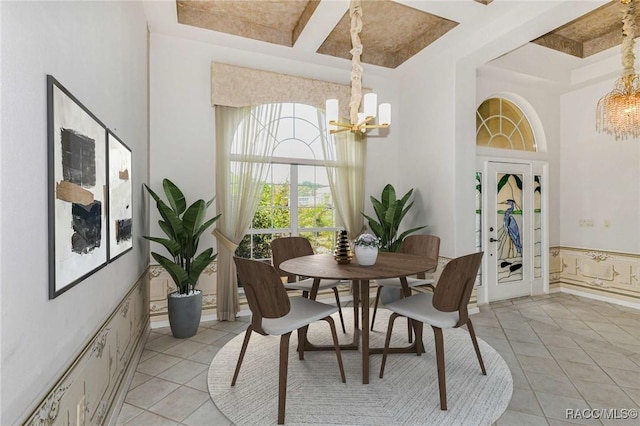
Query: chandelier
(618, 112)
(359, 121)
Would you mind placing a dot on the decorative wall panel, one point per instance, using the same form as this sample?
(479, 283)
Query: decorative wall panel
(87, 390)
(161, 285)
(610, 274)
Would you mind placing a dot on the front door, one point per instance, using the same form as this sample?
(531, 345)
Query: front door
(509, 236)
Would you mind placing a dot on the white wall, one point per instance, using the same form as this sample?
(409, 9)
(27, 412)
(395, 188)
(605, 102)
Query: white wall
(427, 147)
(98, 51)
(182, 118)
(600, 178)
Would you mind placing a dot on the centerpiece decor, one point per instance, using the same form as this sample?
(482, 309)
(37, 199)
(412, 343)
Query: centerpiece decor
(343, 254)
(366, 247)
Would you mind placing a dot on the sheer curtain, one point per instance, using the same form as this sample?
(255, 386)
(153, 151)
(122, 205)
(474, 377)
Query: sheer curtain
(345, 156)
(245, 138)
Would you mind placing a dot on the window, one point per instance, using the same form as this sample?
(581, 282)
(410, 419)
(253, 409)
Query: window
(501, 124)
(296, 199)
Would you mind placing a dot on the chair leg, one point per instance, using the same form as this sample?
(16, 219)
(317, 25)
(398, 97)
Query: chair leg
(335, 291)
(375, 306)
(472, 333)
(409, 331)
(245, 343)
(387, 341)
(334, 334)
(442, 384)
(417, 328)
(302, 338)
(282, 383)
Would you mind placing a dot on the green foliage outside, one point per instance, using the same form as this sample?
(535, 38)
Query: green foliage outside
(273, 213)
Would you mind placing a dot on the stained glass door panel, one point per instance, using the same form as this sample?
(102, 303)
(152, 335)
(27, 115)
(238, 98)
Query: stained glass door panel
(509, 218)
(509, 235)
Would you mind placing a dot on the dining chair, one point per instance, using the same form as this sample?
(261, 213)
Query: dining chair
(274, 313)
(418, 245)
(285, 248)
(446, 307)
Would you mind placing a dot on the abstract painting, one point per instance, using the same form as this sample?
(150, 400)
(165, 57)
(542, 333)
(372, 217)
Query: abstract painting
(77, 190)
(120, 216)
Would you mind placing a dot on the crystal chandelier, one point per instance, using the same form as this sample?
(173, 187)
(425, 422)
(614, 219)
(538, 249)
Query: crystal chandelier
(360, 121)
(618, 112)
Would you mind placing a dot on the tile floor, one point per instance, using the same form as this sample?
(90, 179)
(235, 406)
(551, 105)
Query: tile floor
(564, 352)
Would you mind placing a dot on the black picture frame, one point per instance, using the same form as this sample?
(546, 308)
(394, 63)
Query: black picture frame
(120, 197)
(78, 215)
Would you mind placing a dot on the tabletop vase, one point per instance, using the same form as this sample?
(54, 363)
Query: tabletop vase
(366, 255)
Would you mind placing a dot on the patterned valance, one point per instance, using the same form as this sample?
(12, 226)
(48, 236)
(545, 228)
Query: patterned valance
(238, 86)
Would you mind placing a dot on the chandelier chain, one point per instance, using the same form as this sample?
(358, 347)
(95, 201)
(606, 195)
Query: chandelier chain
(355, 12)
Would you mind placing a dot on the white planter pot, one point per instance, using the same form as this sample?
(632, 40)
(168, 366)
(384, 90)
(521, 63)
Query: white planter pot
(366, 255)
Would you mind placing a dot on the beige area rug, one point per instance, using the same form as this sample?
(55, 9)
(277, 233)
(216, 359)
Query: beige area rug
(407, 395)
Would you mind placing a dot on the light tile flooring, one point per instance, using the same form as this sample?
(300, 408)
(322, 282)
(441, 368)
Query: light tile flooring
(564, 352)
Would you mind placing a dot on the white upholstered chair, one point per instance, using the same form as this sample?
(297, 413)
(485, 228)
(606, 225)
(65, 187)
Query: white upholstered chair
(418, 245)
(286, 248)
(274, 313)
(446, 307)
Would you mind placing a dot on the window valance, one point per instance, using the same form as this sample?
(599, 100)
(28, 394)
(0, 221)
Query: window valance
(239, 86)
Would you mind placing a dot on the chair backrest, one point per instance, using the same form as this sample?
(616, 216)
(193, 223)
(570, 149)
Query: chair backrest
(286, 248)
(422, 245)
(456, 284)
(265, 294)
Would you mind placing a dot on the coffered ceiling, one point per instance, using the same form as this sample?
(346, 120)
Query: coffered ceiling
(594, 32)
(392, 32)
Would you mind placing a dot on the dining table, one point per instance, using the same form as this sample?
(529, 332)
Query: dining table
(387, 265)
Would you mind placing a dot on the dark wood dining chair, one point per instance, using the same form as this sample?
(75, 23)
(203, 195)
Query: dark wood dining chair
(427, 246)
(285, 248)
(274, 313)
(446, 307)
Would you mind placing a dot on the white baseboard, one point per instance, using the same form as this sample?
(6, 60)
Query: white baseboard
(599, 297)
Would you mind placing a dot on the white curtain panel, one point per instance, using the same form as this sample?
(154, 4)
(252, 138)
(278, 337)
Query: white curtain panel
(345, 156)
(245, 139)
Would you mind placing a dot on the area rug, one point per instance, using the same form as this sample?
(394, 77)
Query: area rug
(407, 395)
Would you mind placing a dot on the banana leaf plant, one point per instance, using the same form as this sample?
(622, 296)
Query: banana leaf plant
(390, 211)
(183, 227)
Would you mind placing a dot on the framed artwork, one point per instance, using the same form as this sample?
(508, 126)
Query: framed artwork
(120, 210)
(77, 152)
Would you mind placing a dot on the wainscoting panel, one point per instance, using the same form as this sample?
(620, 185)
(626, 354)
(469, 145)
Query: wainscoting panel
(87, 390)
(611, 274)
(161, 284)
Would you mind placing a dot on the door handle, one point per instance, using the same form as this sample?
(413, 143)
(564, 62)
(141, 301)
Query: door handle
(493, 240)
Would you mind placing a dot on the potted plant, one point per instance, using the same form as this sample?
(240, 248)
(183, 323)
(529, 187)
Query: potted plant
(390, 211)
(183, 227)
(366, 247)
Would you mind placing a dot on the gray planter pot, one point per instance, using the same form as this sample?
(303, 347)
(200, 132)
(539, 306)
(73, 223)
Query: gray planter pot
(184, 314)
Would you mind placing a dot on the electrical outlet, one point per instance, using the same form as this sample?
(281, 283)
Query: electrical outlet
(80, 410)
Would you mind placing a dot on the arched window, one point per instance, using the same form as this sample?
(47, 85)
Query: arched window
(296, 199)
(502, 124)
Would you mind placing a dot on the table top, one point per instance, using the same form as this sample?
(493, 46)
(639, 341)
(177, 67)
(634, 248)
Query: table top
(388, 265)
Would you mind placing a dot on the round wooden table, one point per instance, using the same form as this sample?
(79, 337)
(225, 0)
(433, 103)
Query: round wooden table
(388, 265)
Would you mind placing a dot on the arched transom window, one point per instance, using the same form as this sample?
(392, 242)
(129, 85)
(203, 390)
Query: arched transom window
(501, 124)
